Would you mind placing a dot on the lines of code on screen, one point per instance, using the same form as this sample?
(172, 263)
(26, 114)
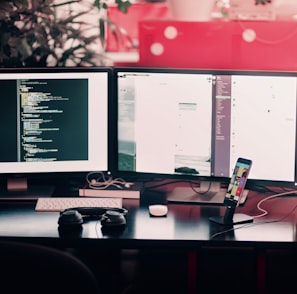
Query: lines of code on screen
(53, 116)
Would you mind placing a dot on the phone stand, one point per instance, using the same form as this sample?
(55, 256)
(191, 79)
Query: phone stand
(231, 218)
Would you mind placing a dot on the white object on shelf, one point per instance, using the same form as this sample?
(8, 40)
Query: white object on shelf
(191, 10)
(123, 56)
(248, 10)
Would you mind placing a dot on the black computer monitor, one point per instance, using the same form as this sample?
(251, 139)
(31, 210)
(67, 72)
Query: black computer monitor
(194, 124)
(53, 122)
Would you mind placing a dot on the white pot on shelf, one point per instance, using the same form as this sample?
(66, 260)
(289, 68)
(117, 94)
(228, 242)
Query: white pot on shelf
(191, 10)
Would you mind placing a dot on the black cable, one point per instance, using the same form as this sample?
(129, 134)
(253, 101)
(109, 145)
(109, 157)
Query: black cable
(170, 183)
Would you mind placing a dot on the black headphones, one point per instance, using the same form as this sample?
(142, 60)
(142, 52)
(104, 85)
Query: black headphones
(73, 218)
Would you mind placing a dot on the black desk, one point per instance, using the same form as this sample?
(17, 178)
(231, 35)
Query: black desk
(186, 228)
(185, 225)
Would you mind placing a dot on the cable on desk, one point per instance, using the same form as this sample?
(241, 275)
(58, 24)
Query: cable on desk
(172, 182)
(265, 212)
(253, 224)
(100, 181)
(201, 192)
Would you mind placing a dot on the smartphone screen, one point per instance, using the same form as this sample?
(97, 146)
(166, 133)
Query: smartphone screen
(237, 181)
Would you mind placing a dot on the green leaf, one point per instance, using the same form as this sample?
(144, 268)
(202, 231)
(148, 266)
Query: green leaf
(102, 31)
(97, 4)
(123, 5)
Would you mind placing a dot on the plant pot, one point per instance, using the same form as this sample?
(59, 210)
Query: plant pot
(191, 10)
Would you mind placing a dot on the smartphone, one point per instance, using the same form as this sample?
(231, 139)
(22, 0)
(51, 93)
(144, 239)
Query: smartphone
(237, 182)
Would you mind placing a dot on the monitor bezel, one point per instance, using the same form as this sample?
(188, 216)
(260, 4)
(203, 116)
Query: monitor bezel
(56, 176)
(143, 176)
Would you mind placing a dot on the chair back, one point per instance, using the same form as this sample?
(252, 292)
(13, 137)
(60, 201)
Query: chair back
(32, 268)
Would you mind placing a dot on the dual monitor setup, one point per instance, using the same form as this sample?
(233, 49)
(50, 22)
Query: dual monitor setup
(190, 124)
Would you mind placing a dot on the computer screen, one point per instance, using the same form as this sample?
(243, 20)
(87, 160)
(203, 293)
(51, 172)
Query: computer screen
(195, 124)
(53, 120)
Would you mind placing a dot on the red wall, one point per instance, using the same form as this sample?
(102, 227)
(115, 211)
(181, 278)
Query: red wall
(218, 44)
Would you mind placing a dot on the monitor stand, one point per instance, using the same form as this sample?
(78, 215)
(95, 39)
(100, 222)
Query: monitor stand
(231, 218)
(208, 193)
(19, 188)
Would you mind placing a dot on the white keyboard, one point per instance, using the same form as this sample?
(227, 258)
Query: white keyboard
(61, 203)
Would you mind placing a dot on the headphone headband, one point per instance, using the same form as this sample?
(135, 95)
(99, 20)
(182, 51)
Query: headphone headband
(96, 211)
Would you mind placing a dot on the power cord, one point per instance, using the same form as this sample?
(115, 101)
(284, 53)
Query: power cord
(264, 212)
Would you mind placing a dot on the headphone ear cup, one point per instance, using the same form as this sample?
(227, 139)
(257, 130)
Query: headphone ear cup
(113, 219)
(70, 219)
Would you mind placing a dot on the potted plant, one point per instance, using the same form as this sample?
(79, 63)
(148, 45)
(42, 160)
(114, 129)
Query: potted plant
(39, 33)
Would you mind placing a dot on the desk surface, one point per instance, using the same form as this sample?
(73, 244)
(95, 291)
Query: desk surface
(184, 225)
